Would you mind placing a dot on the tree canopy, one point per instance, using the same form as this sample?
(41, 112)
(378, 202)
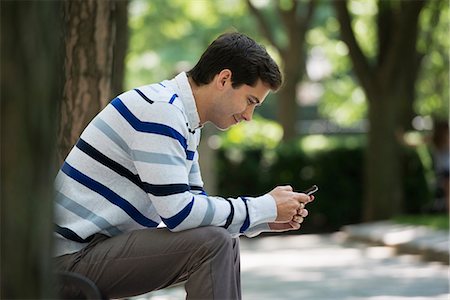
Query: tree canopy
(168, 36)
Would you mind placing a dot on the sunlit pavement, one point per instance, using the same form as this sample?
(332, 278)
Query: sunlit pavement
(430, 243)
(330, 267)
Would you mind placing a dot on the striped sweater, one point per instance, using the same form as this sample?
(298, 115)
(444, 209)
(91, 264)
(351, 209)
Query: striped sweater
(136, 166)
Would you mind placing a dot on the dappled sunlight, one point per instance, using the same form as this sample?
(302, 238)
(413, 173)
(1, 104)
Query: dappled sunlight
(363, 7)
(327, 267)
(314, 142)
(147, 60)
(291, 259)
(379, 252)
(258, 133)
(403, 235)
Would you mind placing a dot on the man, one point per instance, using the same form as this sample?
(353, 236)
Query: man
(135, 167)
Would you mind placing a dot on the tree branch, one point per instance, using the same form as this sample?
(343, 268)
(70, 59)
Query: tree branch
(385, 22)
(288, 17)
(360, 63)
(404, 38)
(264, 25)
(304, 22)
(309, 14)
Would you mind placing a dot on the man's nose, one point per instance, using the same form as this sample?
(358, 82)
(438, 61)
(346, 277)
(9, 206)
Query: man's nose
(248, 113)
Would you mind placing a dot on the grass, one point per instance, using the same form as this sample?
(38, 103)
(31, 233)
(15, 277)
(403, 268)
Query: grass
(435, 221)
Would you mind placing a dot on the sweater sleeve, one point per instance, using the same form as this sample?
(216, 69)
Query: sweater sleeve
(167, 179)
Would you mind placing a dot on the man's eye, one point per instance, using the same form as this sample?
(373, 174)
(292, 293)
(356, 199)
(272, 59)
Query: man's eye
(250, 101)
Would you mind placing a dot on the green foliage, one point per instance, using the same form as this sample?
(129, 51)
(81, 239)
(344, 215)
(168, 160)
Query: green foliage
(259, 134)
(335, 164)
(433, 83)
(169, 36)
(364, 14)
(436, 221)
(337, 172)
(342, 101)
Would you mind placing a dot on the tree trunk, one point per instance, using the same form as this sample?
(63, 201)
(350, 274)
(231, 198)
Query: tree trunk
(31, 86)
(288, 107)
(389, 87)
(383, 184)
(120, 47)
(89, 40)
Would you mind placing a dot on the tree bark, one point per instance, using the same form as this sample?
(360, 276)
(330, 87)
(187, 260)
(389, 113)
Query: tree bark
(120, 47)
(89, 41)
(31, 86)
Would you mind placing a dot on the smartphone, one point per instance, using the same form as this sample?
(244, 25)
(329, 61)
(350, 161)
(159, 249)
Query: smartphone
(311, 190)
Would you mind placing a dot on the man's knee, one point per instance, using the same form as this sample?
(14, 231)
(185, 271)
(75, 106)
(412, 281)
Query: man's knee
(213, 237)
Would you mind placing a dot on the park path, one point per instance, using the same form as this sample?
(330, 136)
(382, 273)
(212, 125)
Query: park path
(329, 267)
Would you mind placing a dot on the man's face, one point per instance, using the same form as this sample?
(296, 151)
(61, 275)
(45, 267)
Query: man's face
(235, 105)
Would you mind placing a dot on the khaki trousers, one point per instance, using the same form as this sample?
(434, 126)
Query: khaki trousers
(140, 261)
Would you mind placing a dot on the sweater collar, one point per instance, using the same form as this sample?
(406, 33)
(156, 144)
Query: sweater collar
(188, 100)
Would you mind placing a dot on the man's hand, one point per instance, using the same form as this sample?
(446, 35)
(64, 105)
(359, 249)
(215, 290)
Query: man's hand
(294, 224)
(280, 227)
(289, 205)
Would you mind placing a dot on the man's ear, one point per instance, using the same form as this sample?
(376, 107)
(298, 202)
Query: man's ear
(223, 77)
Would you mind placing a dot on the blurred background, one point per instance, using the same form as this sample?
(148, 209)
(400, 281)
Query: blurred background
(363, 112)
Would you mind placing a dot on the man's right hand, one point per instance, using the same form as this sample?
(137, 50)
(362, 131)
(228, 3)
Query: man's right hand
(288, 202)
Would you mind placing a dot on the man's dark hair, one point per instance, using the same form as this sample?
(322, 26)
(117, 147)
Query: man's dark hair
(247, 60)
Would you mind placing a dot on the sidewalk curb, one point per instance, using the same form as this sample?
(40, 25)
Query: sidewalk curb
(432, 245)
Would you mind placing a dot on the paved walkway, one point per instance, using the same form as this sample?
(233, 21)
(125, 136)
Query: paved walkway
(432, 244)
(333, 267)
